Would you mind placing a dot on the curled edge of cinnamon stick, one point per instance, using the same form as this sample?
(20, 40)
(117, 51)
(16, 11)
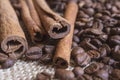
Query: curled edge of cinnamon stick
(62, 55)
(31, 20)
(56, 26)
(12, 38)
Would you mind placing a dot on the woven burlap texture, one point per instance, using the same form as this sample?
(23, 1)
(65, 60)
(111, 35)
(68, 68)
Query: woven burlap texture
(23, 70)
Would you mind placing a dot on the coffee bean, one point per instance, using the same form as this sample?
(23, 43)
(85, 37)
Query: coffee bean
(89, 11)
(96, 78)
(93, 31)
(48, 49)
(93, 54)
(103, 37)
(76, 39)
(115, 31)
(102, 74)
(96, 42)
(46, 58)
(107, 47)
(115, 74)
(87, 45)
(74, 44)
(87, 77)
(78, 71)
(34, 53)
(75, 31)
(92, 68)
(77, 50)
(82, 59)
(103, 51)
(41, 76)
(8, 63)
(84, 77)
(108, 60)
(63, 74)
(115, 40)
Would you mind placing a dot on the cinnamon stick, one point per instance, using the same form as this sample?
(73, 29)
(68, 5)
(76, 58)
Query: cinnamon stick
(56, 26)
(12, 38)
(31, 20)
(63, 49)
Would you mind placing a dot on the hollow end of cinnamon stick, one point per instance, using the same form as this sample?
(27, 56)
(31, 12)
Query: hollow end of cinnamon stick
(37, 37)
(59, 30)
(15, 44)
(60, 62)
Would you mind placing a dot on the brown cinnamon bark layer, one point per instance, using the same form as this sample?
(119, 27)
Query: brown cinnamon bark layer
(56, 26)
(31, 20)
(12, 38)
(63, 49)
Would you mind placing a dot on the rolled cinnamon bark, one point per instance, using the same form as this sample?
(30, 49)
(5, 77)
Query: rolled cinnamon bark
(12, 38)
(31, 20)
(63, 49)
(56, 26)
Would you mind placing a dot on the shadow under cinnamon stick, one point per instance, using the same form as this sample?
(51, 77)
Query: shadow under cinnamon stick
(63, 49)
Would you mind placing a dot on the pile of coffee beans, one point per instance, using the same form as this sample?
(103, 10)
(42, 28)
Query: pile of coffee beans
(95, 47)
(96, 40)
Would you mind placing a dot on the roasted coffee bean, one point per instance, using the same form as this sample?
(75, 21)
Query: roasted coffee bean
(103, 51)
(102, 74)
(80, 77)
(78, 71)
(96, 78)
(82, 59)
(3, 57)
(63, 74)
(98, 15)
(116, 48)
(93, 31)
(107, 47)
(34, 53)
(93, 54)
(115, 75)
(115, 31)
(81, 14)
(76, 39)
(74, 44)
(115, 40)
(96, 42)
(87, 77)
(87, 45)
(108, 60)
(48, 49)
(79, 24)
(46, 58)
(75, 31)
(89, 24)
(107, 30)
(116, 53)
(41, 76)
(8, 63)
(84, 77)
(103, 37)
(108, 68)
(92, 68)
(76, 51)
(89, 11)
